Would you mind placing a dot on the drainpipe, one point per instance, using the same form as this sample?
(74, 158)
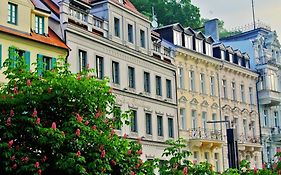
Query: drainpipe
(219, 96)
(262, 156)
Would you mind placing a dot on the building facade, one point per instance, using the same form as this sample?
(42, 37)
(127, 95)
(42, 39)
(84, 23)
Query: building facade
(214, 87)
(263, 47)
(24, 29)
(116, 40)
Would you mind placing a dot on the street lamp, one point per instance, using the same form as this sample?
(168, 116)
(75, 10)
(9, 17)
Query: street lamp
(232, 145)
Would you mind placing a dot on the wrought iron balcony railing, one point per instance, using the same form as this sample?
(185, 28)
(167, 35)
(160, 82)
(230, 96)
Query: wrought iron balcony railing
(206, 134)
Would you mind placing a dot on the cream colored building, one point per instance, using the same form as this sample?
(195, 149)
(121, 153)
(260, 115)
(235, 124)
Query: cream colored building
(116, 40)
(214, 87)
(25, 28)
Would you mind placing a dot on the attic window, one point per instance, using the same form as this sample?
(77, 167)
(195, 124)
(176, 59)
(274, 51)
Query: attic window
(177, 38)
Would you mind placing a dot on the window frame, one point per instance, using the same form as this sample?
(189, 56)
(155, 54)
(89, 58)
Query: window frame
(142, 39)
(146, 82)
(83, 60)
(134, 121)
(116, 22)
(131, 77)
(115, 72)
(12, 14)
(38, 29)
(160, 132)
(148, 119)
(130, 33)
(99, 67)
(158, 80)
(171, 132)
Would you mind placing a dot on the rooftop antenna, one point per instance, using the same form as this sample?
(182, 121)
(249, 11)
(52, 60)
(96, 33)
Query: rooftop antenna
(253, 10)
(154, 19)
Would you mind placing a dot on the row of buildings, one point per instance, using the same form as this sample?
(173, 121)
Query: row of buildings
(174, 79)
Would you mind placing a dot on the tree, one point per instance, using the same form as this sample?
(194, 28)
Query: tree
(61, 123)
(171, 11)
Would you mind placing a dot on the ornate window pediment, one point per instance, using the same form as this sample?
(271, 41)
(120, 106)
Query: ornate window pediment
(194, 101)
(183, 99)
(205, 103)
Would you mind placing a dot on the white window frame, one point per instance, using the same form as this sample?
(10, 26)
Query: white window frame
(177, 38)
(199, 45)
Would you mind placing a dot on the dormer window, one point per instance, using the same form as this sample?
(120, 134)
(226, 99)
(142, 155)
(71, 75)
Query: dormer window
(177, 38)
(39, 25)
(209, 49)
(199, 45)
(188, 41)
(12, 13)
(222, 55)
(247, 64)
(230, 57)
(239, 61)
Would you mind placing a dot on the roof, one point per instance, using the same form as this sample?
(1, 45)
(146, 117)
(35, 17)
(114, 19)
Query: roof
(52, 6)
(52, 39)
(127, 4)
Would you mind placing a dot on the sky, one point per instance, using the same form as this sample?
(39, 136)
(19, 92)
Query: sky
(237, 13)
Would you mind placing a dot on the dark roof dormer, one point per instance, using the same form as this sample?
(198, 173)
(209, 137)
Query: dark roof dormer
(209, 40)
(200, 35)
(189, 31)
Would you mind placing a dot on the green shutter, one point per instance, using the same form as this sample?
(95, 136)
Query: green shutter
(54, 63)
(0, 56)
(12, 57)
(27, 60)
(40, 64)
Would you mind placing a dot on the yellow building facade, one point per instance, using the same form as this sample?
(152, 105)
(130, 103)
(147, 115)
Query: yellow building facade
(24, 26)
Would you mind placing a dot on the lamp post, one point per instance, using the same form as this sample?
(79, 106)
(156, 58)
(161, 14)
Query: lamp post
(232, 145)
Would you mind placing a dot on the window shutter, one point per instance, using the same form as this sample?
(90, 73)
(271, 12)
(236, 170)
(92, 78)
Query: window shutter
(54, 63)
(39, 64)
(12, 57)
(0, 56)
(27, 60)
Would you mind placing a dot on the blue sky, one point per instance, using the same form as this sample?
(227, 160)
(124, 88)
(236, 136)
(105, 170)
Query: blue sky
(237, 13)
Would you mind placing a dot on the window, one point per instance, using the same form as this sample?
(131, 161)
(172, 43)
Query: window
(16, 54)
(131, 74)
(160, 125)
(214, 118)
(231, 58)
(181, 78)
(195, 156)
(209, 49)
(204, 120)
(47, 63)
(134, 121)
(202, 84)
(233, 87)
(188, 41)
(82, 60)
(212, 86)
(251, 95)
(148, 123)
(12, 13)
(276, 119)
(194, 118)
(265, 117)
(217, 164)
(183, 118)
(99, 67)
(39, 25)
(142, 38)
(192, 80)
(115, 72)
(199, 45)
(268, 150)
(146, 80)
(206, 155)
(168, 88)
(224, 89)
(130, 33)
(177, 38)
(117, 27)
(222, 55)
(170, 127)
(158, 86)
(245, 127)
(253, 127)
(242, 93)
(117, 113)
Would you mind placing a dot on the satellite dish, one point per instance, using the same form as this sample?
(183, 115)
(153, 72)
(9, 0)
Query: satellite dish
(154, 24)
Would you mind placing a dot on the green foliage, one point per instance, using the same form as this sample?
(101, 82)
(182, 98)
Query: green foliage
(60, 123)
(170, 11)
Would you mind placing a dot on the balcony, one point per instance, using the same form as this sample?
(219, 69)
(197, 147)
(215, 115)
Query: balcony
(269, 97)
(276, 134)
(205, 138)
(249, 143)
(87, 21)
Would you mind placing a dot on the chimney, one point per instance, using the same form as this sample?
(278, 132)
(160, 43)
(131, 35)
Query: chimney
(212, 29)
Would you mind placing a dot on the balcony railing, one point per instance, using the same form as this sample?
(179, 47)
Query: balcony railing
(248, 139)
(205, 134)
